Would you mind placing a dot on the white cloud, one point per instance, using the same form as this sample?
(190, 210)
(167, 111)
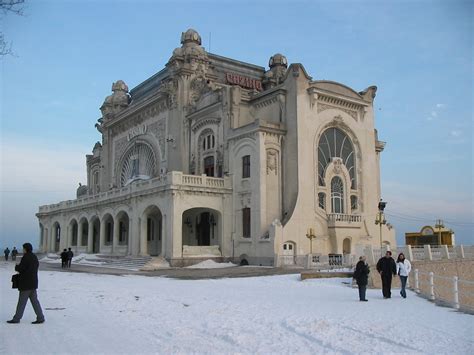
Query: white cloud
(434, 114)
(441, 105)
(456, 133)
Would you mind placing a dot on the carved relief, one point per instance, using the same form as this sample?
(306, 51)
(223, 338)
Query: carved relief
(119, 146)
(337, 165)
(272, 161)
(324, 107)
(158, 130)
(170, 89)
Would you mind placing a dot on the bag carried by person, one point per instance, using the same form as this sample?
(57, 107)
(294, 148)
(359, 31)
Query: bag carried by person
(15, 280)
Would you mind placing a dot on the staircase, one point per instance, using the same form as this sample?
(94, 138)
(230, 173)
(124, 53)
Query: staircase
(134, 263)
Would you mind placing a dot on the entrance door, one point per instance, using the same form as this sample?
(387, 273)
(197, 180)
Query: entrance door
(209, 166)
(288, 254)
(204, 230)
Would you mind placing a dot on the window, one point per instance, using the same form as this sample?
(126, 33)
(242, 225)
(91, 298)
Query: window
(246, 166)
(138, 163)
(246, 222)
(337, 195)
(209, 166)
(322, 200)
(335, 143)
(353, 203)
(208, 141)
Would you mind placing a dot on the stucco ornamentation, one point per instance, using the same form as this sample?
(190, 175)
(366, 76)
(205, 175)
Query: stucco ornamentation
(272, 161)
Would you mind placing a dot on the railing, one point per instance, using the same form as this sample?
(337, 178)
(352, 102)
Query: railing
(172, 178)
(427, 252)
(330, 261)
(448, 291)
(339, 217)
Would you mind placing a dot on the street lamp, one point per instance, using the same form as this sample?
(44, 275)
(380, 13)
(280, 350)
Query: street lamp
(380, 219)
(310, 235)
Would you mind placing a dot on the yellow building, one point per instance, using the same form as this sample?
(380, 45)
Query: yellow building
(432, 236)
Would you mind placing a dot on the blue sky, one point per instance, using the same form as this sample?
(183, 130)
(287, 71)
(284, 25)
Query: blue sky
(418, 53)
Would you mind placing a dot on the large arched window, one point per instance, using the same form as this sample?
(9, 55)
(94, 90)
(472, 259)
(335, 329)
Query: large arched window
(337, 195)
(138, 163)
(334, 143)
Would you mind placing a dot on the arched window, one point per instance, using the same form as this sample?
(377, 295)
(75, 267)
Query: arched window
(337, 195)
(138, 163)
(335, 143)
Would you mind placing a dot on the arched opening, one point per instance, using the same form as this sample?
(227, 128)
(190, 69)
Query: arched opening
(138, 163)
(201, 228)
(95, 224)
(337, 195)
(74, 232)
(83, 231)
(123, 228)
(209, 166)
(56, 236)
(154, 230)
(346, 246)
(108, 222)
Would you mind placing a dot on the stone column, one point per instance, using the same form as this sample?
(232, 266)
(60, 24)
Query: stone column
(131, 231)
(143, 236)
(115, 237)
(90, 235)
(79, 235)
(45, 239)
(102, 235)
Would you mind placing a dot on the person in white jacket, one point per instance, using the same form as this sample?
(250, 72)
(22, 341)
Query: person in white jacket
(403, 270)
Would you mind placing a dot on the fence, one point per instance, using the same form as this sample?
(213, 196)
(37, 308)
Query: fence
(318, 261)
(421, 253)
(448, 291)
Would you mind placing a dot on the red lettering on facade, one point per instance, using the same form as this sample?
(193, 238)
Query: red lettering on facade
(244, 81)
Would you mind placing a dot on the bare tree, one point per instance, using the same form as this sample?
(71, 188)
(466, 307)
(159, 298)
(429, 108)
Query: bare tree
(6, 7)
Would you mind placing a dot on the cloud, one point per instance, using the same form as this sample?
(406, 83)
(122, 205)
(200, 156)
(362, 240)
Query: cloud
(434, 114)
(456, 133)
(441, 105)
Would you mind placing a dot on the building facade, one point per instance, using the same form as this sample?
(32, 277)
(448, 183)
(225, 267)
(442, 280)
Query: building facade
(214, 157)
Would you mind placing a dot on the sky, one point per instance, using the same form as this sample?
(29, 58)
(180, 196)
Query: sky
(251, 315)
(68, 53)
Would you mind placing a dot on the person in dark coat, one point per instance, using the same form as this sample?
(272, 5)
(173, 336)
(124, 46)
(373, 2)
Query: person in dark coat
(387, 268)
(361, 275)
(14, 253)
(70, 254)
(6, 252)
(27, 285)
(64, 259)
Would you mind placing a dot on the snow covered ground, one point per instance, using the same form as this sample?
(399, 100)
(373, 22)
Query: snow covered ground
(92, 314)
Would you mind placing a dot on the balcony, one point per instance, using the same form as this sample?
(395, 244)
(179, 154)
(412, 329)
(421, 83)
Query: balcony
(340, 220)
(174, 180)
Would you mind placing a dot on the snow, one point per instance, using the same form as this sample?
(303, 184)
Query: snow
(81, 259)
(92, 314)
(156, 264)
(210, 264)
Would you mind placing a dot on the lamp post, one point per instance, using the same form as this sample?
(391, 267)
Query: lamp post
(380, 220)
(310, 235)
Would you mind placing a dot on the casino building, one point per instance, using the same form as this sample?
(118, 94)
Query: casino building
(212, 157)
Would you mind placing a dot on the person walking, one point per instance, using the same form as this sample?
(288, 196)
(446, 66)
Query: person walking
(6, 252)
(361, 275)
(386, 268)
(70, 254)
(27, 285)
(403, 270)
(14, 253)
(64, 259)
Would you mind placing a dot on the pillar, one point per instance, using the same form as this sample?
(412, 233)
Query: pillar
(90, 235)
(103, 224)
(143, 236)
(115, 236)
(428, 255)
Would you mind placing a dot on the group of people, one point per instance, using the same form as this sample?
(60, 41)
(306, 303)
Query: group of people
(66, 258)
(387, 268)
(7, 252)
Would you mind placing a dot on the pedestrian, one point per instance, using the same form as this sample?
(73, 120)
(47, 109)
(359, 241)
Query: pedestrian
(403, 270)
(6, 252)
(27, 285)
(386, 268)
(361, 275)
(70, 254)
(14, 253)
(64, 259)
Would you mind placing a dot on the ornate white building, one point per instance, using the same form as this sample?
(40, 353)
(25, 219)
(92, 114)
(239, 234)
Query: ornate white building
(213, 157)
